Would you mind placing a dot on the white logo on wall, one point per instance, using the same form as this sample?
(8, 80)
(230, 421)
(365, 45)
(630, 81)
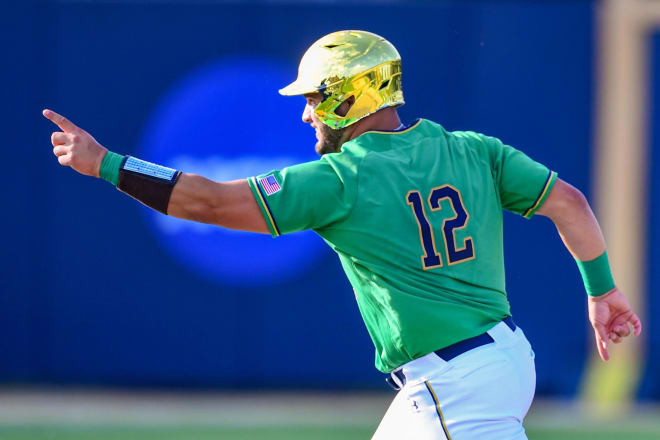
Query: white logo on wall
(226, 121)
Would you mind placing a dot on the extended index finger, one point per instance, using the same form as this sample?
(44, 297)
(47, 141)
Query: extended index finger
(59, 120)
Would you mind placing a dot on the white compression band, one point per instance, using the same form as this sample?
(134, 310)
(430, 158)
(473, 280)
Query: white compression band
(149, 169)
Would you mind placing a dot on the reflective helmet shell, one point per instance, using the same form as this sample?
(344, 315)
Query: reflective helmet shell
(349, 63)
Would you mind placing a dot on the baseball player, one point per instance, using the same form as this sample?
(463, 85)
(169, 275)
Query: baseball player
(415, 214)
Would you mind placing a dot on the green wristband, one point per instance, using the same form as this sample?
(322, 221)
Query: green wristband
(596, 275)
(109, 170)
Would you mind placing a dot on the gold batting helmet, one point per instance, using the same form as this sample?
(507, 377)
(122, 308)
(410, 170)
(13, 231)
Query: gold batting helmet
(349, 63)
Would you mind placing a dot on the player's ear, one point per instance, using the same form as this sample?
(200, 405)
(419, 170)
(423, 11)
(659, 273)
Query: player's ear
(345, 106)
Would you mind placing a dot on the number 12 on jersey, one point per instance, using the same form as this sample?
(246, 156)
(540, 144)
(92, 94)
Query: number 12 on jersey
(431, 259)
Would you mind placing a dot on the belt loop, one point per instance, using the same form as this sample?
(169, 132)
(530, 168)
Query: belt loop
(396, 379)
(398, 374)
(392, 384)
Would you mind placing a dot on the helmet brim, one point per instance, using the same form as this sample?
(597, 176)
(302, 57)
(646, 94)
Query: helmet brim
(297, 88)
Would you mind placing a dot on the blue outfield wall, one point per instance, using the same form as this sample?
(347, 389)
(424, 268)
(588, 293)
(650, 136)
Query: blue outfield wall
(650, 386)
(99, 291)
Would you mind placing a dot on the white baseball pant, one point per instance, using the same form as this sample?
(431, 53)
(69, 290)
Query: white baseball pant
(482, 394)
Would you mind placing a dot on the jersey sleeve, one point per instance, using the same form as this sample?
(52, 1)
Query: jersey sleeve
(523, 183)
(311, 195)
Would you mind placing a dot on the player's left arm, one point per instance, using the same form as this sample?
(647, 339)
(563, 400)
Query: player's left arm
(609, 312)
(193, 197)
(227, 204)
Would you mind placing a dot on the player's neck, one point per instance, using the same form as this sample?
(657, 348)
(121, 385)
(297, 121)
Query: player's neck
(385, 119)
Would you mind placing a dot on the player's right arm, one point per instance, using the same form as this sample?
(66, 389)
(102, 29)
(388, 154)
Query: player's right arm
(228, 204)
(527, 187)
(578, 228)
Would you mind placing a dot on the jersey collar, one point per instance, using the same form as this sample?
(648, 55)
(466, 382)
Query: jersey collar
(399, 129)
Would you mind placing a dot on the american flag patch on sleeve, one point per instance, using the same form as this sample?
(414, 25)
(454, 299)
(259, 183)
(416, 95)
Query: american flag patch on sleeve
(270, 184)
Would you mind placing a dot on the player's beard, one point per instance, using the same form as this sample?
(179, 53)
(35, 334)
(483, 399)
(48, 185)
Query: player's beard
(330, 140)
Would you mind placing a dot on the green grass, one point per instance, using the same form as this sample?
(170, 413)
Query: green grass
(52, 432)
(589, 434)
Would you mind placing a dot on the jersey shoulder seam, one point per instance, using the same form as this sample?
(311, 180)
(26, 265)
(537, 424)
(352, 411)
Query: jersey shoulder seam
(355, 197)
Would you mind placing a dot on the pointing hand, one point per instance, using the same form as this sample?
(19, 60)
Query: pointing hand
(74, 147)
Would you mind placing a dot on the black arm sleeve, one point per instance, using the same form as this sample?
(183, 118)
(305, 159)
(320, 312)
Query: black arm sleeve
(152, 191)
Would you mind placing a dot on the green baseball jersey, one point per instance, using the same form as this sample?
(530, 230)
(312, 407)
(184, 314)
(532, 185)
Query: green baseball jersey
(416, 219)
